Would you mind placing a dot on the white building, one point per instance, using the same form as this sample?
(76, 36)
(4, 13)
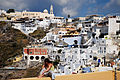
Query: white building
(43, 24)
(114, 25)
(50, 37)
(69, 20)
(110, 47)
(70, 40)
(26, 27)
(79, 25)
(2, 11)
(35, 53)
(59, 22)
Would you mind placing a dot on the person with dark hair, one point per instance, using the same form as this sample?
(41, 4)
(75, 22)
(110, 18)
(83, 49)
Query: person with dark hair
(47, 69)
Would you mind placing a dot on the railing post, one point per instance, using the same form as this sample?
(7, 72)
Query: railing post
(115, 74)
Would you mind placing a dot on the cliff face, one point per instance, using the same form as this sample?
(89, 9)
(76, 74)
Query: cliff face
(38, 34)
(12, 42)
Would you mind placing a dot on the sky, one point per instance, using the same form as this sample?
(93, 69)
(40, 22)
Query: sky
(75, 8)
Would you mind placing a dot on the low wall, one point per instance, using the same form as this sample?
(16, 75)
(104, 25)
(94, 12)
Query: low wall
(107, 75)
(88, 76)
(118, 75)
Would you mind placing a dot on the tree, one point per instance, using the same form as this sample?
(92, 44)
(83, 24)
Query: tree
(75, 42)
(68, 15)
(119, 53)
(10, 11)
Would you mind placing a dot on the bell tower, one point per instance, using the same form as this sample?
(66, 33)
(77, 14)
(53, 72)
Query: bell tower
(51, 9)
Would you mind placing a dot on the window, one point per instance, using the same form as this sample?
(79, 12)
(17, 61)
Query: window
(75, 51)
(95, 58)
(60, 33)
(90, 56)
(117, 21)
(65, 59)
(102, 41)
(25, 57)
(104, 48)
(57, 57)
(30, 52)
(104, 51)
(31, 57)
(37, 57)
(101, 51)
(42, 58)
(42, 53)
(69, 68)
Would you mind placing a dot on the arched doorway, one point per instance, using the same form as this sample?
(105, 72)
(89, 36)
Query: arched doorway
(57, 57)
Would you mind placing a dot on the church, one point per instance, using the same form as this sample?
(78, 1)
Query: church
(37, 15)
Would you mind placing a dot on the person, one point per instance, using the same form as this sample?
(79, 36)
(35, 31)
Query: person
(47, 69)
(112, 63)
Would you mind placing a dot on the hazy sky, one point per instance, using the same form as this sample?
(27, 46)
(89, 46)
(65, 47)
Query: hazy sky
(64, 7)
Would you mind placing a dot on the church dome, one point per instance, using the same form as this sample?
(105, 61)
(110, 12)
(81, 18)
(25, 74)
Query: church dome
(45, 11)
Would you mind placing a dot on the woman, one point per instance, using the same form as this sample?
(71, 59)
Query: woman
(47, 69)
